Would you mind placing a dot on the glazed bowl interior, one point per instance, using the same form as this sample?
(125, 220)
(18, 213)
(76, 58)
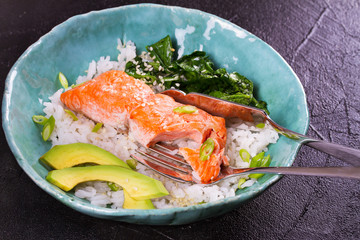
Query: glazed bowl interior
(72, 45)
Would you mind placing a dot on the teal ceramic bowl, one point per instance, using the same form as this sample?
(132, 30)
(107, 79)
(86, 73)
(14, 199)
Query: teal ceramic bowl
(69, 48)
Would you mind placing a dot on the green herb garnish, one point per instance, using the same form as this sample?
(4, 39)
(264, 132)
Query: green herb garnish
(73, 116)
(132, 163)
(256, 161)
(63, 80)
(185, 109)
(206, 149)
(48, 128)
(76, 85)
(241, 182)
(97, 127)
(245, 155)
(261, 161)
(260, 125)
(39, 119)
(113, 186)
(291, 136)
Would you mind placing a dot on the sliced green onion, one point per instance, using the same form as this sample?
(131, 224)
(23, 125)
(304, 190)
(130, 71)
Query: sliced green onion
(97, 127)
(206, 149)
(256, 175)
(74, 117)
(291, 136)
(48, 128)
(39, 119)
(63, 80)
(256, 161)
(265, 162)
(185, 109)
(112, 186)
(241, 182)
(76, 85)
(260, 125)
(245, 155)
(132, 163)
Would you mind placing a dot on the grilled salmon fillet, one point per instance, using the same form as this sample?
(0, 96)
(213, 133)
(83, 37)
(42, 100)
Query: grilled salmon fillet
(119, 100)
(156, 121)
(108, 98)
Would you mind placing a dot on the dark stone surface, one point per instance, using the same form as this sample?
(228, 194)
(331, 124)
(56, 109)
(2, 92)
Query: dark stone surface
(319, 39)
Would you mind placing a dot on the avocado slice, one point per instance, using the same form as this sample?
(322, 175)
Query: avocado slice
(130, 203)
(68, 155)
(138, 186)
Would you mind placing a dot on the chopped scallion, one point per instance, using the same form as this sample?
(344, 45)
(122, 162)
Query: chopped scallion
(256, 175)
(256, 161)
(206, 149)
(39, 119)
(76, 85)
(112, 186)
(132, 163)
(241, 182)
(260, 125)
(74, 117)
(291, 136)
(185, 109)
(97, 127)
(48, 128)
(63, 80)
(245, 155)
(264, 162)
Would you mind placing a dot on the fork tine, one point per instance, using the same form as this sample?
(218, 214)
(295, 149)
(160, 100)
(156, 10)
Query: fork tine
(168, 148)
(170, 165)
(170, 156)
(176, 176)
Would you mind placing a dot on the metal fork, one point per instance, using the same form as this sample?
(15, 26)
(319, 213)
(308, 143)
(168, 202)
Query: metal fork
(228, 109)
(175, 167)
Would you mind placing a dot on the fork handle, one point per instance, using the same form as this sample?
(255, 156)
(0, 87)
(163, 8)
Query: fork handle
(346, 172)
(349, 155)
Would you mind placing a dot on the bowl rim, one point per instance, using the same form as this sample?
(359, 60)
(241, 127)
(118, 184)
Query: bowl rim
(107, 212)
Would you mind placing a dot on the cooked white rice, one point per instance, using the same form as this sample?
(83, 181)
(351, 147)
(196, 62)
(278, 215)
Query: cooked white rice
(240, 135)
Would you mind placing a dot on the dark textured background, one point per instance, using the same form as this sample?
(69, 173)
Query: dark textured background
(319, 39)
